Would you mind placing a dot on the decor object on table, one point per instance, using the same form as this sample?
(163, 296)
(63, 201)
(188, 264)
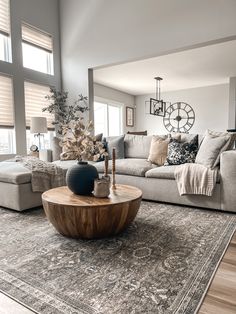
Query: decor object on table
(80, 178)
(63, 112)
(213, 144)
(80, 144)
(129, 116)
(156, 106)
(106, 164)
(113, 171)
(181, 153)
(179, 117)
(88, 217)
(101, 187)
(38, 126)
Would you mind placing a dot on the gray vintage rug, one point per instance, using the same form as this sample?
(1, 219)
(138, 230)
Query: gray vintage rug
(162, 264)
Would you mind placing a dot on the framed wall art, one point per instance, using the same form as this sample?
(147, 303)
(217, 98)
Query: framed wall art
(129, 116)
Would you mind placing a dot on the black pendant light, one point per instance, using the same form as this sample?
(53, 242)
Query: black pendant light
(157, 105)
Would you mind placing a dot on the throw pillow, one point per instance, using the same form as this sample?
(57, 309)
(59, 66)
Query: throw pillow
(98, 137)
(213, 144)
(229, 144)
(116, 142)
(183, 137)
(181, 153)
(158, 150)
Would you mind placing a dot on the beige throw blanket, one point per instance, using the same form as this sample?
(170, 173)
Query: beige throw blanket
(195, 179)
(45, 175)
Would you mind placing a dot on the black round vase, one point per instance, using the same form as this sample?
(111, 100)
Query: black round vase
(80, 178)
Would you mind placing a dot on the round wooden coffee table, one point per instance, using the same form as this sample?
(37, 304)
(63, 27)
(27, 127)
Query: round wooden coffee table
(90, 217)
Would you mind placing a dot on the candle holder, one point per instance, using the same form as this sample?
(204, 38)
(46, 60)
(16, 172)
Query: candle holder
(113, 169)
(106, 166)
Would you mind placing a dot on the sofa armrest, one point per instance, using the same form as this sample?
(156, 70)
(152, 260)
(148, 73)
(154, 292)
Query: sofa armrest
(45, 155)
(228, 180)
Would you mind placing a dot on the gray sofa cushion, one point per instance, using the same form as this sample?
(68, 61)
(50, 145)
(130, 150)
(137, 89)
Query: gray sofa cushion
(14, 172)
(168, 172)
(128, 166)
(137, 146)
(163, 172)
(116, 142)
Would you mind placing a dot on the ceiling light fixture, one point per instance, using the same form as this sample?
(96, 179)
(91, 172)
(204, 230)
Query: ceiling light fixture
(157, 105)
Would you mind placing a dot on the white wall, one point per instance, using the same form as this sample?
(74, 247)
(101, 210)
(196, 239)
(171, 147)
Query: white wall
(43, 14)
(209, 103)
(117, 96)
(102, 32)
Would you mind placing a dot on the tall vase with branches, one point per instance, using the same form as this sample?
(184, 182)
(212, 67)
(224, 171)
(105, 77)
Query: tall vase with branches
(76, 135)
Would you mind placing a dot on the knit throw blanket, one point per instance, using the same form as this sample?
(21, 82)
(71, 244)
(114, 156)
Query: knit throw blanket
(195, 179)
(45, 175)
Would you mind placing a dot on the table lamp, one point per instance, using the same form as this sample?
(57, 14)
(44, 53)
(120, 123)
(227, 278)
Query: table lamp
(38, 126)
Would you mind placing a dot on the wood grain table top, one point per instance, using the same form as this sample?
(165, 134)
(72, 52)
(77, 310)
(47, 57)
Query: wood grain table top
(63, 196)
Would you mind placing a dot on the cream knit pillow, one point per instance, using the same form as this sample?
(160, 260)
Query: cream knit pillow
(158, 150)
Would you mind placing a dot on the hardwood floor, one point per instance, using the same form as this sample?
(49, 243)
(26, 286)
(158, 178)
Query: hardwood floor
(9, 306)
(220, 298)
(221, 295)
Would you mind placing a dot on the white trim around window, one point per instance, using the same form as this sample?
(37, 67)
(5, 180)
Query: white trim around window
(106, 130)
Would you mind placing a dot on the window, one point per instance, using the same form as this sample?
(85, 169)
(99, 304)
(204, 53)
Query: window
(47, 139)
(107, 118)
(7, 140)
(37, 49)
(34, 103)
(5, 43)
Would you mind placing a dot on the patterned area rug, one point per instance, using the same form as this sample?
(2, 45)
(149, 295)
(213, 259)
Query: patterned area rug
(162, 264)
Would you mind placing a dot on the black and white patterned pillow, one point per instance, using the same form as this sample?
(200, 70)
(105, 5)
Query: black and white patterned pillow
(181, 153)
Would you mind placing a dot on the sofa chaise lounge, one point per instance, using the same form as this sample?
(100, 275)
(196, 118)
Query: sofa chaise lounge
(157, 183)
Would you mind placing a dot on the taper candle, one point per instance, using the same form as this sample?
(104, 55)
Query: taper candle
(106, 167)
(113, 168)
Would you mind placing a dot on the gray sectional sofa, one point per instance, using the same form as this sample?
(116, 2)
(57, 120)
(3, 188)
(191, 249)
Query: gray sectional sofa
(157, 183)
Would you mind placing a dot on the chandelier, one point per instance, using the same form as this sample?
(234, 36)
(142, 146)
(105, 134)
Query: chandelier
(157, 106)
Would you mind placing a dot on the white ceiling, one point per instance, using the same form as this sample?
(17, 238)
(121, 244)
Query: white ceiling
(210, 65)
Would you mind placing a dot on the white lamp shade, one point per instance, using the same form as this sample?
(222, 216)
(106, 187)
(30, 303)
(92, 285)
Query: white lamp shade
(38, 125)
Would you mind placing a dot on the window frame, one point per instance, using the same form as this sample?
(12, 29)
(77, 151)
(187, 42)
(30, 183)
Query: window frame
(6, 38)
(111, 103)
(49, 53)
(10, 128)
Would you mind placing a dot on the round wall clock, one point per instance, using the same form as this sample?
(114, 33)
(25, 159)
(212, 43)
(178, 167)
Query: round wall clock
(179, 117)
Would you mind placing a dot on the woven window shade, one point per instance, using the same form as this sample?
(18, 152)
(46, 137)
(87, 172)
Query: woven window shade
(5, 17)
(6, 102)
(37, 38)
(34, 103)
